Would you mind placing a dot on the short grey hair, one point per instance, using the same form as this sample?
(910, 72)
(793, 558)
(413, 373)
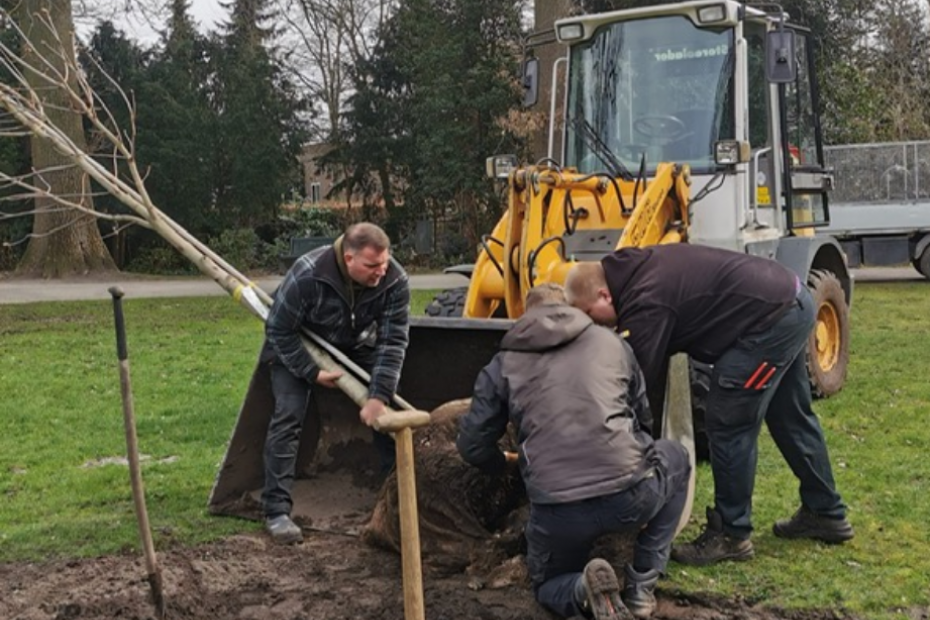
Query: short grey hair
(546, 294)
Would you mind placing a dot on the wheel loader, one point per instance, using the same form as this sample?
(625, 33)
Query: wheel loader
(691, 122)
(694, 122)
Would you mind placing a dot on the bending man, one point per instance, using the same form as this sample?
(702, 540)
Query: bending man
(750, 317)
(356, 297)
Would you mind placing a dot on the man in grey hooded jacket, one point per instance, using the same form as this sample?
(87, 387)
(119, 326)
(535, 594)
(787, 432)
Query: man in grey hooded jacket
(576, 396)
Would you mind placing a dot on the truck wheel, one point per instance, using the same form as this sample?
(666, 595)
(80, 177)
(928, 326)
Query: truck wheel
(828, 345)
(449, 303)
(922, 264)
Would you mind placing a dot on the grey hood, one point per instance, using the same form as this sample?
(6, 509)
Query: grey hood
(545, 327)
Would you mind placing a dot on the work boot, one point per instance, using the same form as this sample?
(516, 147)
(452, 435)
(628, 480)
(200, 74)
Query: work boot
(639, 591)
(713, 545)
(597, 593)
(283, 531)
(806, 524)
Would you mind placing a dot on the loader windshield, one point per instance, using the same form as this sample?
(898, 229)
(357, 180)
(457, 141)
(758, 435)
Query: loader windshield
(658, 86)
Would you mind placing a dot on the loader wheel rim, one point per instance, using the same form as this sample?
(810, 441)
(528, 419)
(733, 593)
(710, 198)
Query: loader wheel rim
(827, 337)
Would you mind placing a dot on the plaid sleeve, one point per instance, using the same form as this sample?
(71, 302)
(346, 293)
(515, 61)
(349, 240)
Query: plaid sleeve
(282, 329)
(391, 347)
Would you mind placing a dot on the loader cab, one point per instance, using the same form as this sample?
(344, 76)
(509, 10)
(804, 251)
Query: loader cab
(725, 89)
(657, 88)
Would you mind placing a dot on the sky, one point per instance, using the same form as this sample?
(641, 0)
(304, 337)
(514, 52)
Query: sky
(206, 14)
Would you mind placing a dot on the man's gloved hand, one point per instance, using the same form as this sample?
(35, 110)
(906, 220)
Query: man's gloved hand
(371, 411)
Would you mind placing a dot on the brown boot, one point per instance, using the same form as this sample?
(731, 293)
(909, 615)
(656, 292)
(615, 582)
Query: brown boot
(713, 545)
(602, 592)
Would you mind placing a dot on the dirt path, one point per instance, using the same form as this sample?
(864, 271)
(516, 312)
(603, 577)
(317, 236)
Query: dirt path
(328, 577)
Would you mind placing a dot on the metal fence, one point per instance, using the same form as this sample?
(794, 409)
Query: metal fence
(881, 172)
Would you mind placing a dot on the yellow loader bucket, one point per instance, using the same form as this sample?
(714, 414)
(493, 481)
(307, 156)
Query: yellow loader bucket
(336, 476)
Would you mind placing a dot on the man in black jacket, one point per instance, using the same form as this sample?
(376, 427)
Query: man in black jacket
(356, 297)
(575, 394)
(750, 317)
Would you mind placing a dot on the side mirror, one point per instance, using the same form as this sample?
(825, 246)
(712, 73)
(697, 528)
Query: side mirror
(780, 57)
(530, 81)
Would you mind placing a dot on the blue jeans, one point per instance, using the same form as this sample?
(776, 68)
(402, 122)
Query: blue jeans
(764, 376)
(291, 397)
(560, 537)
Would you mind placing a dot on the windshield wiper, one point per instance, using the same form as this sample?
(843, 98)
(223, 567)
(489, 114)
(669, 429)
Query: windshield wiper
(600, 149)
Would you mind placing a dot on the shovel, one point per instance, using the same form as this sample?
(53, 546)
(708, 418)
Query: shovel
(132, 454)
(400, 423)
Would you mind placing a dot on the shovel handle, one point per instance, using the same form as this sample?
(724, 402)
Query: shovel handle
(117, 294)
(393, 421)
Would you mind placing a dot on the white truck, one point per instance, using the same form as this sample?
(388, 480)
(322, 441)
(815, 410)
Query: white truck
(880, 205)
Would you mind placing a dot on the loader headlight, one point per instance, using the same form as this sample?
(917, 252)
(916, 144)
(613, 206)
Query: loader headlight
(712, 14)
(570, 32)
(730, 152)
(500, 166)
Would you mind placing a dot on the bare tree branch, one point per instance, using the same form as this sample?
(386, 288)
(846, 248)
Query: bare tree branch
(327, 38)
(124, 181)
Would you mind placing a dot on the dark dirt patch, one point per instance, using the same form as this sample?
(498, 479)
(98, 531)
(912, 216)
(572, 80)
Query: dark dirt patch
(328, 577)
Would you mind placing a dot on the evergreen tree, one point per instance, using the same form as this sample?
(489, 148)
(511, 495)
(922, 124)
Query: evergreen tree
(178, 123)
(260, 130)
(372, 141)
(116, 70)
(431, 101)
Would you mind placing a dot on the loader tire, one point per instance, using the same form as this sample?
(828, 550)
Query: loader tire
(448, 303)
(828, 344)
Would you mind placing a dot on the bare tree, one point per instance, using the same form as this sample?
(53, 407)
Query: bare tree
(63, 242)
(328, 38)
(27, 112)
(900, 64)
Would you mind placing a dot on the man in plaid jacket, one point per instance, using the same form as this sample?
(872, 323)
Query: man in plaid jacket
(356, 297)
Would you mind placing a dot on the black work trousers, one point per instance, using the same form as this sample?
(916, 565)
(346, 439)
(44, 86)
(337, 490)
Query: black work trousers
(764, 376)
(291, 395)
(560, 537)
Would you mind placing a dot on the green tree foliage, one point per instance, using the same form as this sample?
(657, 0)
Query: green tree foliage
(172, 119)
(217, 128)
(178, 123)
(259, 132)
(115, 65)
(430, 103)
(373, 139)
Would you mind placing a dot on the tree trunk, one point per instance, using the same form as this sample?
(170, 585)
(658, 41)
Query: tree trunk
(66, 242)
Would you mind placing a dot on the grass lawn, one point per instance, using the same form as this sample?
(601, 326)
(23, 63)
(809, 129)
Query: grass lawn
(60, 420)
